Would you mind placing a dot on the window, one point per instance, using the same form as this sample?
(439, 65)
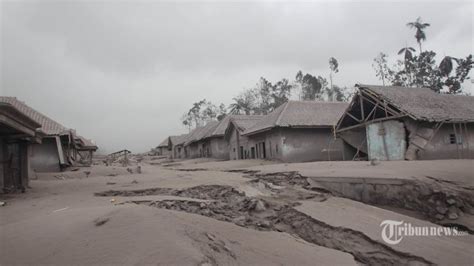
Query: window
(454, 140)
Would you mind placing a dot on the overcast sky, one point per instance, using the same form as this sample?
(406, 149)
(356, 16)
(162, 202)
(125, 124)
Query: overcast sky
(124, 73)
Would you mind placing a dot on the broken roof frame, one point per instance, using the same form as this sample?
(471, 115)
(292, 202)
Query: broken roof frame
(14, 118)
(379, 108)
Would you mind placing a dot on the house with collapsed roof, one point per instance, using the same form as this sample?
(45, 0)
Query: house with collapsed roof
(17, 132)
(397, 123)
(297, 131)
(60, 147)
(238, 144)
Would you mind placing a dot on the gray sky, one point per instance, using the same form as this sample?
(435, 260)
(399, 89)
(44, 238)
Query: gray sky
(124, 73)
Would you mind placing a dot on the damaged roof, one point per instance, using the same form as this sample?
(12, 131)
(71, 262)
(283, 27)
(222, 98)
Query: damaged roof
(300, 114)
(86, 144)
(425, 104)
(48, 125)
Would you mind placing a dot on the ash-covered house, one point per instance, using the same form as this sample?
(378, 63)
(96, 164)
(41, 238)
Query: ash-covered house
(238, 144)
(195, 145)
(60, 147)
(297, 131)
(17, 134)
(164, 148)
(213, 142)
(397, 123)
(177, 146)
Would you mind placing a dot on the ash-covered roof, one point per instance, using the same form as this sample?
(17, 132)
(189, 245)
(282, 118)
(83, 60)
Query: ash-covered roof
(164, 143)
(201, 132)
(48, 125)
(243, 122)
(177, 140)
(219, 131)
(300, 114)
(425, 104)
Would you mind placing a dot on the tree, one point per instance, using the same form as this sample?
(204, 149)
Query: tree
(244, 103)
(312, 88)
(221, 112)
(333, 67)
(382, 71)
(421, 70)
(299, 82)
(453, 82)
(202, 112)
(263, 94)
(281, 92)
(419, 26)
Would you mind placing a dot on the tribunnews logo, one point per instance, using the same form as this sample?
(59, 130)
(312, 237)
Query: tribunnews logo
(394, 231)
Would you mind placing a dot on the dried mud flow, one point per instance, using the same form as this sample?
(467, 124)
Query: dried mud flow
(436, 200)
(274, 213)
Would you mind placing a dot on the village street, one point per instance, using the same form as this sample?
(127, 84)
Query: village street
(205, 212)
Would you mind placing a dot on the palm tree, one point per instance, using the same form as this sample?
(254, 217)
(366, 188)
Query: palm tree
(407, 51)
(243, 103)
(333, 67)
(419, 26)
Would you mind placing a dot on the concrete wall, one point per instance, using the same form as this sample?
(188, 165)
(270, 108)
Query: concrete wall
(233, 145)
(440, 146)
(404, 138)
(163, 151)
(178, 152)
(219, 148)
(297, 145)
(193, 150)
(44, 156)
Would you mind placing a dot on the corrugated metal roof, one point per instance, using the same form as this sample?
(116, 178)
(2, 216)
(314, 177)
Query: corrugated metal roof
(301, 114)
(48, 125)
(244, 122)
(425, 104)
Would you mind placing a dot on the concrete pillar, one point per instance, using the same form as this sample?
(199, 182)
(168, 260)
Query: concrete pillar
(24, 165)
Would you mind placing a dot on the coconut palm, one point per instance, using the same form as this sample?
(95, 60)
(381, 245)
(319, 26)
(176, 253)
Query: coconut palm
(419, 26)
(407, 53)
